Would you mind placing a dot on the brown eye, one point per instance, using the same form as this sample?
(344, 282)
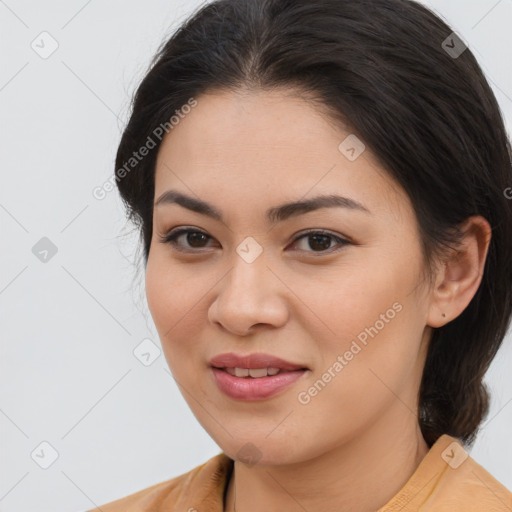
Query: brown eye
(320, 241)
(194, 239)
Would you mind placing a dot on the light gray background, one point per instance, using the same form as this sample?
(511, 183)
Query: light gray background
(68, 327)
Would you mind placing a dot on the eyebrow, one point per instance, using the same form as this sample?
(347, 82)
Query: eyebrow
(274, 215)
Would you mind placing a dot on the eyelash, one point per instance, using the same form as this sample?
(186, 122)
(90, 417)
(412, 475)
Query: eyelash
(171, 237)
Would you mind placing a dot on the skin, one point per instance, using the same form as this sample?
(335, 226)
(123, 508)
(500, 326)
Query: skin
(356, 443)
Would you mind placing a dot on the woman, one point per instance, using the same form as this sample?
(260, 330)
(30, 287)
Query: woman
(320, 188)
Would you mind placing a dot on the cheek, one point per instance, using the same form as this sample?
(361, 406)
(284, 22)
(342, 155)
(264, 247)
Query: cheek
(158, 292)
(174, 300)
(359, 382)
(170, 291)
(341, 303)
(374, 324)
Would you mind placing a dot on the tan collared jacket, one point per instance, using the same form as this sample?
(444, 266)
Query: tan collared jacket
(447, 480)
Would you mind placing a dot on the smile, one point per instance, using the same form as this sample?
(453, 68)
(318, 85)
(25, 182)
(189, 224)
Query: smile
(255, 383)
(255, 373)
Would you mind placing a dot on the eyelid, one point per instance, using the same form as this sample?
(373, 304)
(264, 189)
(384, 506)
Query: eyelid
(340, 240)
(174, 233)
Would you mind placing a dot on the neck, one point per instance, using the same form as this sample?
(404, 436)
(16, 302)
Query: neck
(360, 475)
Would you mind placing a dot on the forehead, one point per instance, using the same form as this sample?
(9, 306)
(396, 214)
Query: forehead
(264, 121)
(262, 144)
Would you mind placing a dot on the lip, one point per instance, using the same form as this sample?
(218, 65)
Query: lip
(251, 389)
(231, 360)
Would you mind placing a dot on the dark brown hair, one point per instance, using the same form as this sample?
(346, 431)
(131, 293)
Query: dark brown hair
(383, 67)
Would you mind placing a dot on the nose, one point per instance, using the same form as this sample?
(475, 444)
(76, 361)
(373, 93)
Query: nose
(250, 296)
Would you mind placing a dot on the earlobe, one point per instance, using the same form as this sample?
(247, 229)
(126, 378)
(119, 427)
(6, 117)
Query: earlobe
(460, 274)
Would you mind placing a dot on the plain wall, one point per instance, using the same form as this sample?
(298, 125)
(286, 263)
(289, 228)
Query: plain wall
(68, 326)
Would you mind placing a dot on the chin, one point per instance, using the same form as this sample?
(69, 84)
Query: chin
(261, 451)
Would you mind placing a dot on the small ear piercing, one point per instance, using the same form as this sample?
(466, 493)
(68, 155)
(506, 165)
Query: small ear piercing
(443, 314)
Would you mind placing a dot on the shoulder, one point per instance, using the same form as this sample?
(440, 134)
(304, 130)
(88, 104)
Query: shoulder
(450, 480)
(474, 487)
(204, 482)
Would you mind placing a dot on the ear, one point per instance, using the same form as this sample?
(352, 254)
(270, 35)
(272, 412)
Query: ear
(460, 274)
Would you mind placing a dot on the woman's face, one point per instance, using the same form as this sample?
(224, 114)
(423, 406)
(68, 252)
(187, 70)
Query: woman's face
(352, 315)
